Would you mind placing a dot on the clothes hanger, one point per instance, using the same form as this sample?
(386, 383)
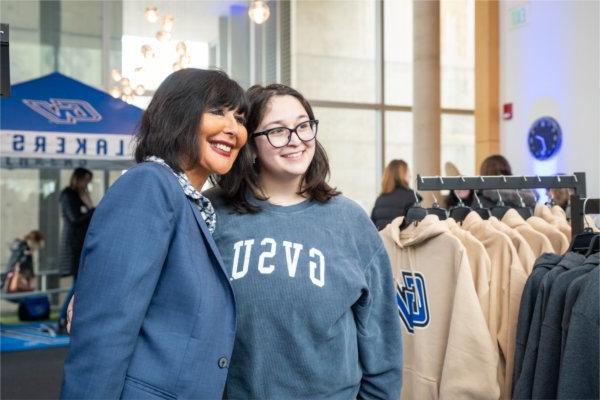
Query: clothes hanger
(484, 213)
(584, 241)
(413, 213)
(460, 211)
(500, 208)
(435, 209)
(594, 245)
(523, 210)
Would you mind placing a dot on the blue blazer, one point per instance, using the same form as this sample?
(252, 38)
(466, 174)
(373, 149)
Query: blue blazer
(154, 312)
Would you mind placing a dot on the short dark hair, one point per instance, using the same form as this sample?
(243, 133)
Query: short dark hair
(243, 176)
(495, 165)
(169, 126)
(79, 174)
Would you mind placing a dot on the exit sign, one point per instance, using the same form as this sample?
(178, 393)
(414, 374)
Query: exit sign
(519, 15)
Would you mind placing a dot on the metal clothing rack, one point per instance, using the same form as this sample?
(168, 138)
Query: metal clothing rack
(579, 208)
(575, 182)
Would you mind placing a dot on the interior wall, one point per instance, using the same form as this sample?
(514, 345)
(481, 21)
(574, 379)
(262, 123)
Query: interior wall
(550, 66)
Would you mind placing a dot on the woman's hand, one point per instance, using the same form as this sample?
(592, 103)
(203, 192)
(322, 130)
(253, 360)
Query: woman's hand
(70, 314)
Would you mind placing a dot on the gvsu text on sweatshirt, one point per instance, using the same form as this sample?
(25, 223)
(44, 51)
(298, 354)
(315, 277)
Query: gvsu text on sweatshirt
(316, 316)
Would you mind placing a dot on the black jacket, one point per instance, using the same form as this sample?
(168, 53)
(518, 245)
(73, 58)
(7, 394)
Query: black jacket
(579, 366)
(391, 205)
(76, 218)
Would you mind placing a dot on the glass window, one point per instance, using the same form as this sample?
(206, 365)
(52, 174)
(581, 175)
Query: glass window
(458, 142)
(398, 136)
(333, 50)
(349, 138)
(19, 207)
(457, 47)
(398, 38)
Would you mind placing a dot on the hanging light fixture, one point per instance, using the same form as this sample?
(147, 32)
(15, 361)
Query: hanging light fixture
(259, 11)
(168, 23)
(151, 14)
(115, 92)
(140, 90)
(116, 75)
(147, 51)
(163, 36)
(181, 49)
(176, 66)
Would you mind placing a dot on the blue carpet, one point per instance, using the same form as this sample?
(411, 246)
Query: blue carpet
(31, 336)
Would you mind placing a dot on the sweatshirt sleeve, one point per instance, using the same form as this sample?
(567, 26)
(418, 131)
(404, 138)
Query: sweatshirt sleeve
(379, 335)
(470, 361)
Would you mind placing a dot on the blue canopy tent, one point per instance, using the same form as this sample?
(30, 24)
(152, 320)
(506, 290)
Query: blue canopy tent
(58, 122)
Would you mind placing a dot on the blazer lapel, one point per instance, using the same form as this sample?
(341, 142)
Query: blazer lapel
(208, 236)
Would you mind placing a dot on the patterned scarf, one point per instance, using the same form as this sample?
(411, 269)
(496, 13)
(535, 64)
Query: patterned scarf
(204, 205)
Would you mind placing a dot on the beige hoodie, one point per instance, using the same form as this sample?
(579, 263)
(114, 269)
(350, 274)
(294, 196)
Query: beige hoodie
(559, 242)
(506, 286)
(524, 252)
(555, 216)
(537, 241)
(479, 261)
(448, 352)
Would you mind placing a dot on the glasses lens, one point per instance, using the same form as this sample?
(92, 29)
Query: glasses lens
(307, 130)
(278, 137)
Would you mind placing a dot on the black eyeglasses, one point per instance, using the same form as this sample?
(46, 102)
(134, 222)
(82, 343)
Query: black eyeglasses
(282, 136)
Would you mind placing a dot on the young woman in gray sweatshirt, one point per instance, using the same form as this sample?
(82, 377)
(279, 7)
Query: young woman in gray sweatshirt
(316, 310)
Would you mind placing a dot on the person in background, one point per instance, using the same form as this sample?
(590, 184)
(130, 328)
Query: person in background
(317, 315)
(452, 199)
(19, 275)
(154, 313)
(496, 165)
(77, 209)
(396, 194)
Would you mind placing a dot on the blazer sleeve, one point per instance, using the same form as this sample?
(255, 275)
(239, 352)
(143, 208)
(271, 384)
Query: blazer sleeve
(379, 335)
(125, 249)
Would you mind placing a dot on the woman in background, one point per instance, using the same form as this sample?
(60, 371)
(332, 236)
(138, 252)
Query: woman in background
(396, 194)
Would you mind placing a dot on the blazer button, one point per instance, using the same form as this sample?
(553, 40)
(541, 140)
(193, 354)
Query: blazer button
(222, 362)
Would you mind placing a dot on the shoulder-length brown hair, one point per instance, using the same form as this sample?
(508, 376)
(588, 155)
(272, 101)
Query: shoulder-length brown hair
(495, 165)
(243, 176)
(394, 176)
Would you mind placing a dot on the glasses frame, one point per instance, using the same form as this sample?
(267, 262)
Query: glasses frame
(290, 132)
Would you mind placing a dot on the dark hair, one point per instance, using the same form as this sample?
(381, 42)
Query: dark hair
(394, 176)
(78, 175)
(169, 126)
(495, 165)
(243, 177)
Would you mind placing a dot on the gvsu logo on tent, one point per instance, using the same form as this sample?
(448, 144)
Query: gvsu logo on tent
(411, 297)
(64, 111)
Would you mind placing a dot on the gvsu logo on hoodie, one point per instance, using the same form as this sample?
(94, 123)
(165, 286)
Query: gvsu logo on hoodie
(411, 297)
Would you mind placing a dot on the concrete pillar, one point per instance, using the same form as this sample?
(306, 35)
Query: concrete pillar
(426, 90)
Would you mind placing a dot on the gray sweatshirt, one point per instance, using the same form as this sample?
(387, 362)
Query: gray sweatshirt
(316, 311)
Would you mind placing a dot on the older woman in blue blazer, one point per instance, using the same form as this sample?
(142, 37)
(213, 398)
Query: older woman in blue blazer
(154, 313)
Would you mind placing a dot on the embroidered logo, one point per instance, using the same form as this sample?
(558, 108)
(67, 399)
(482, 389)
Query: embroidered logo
(411, 297)
(64, 111)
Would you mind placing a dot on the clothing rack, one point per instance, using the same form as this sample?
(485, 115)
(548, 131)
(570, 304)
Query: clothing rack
(575, 182)
(579, 208)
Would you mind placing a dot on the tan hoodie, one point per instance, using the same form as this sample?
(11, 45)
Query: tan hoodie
(559, 242)
(537, 241)
(506, 286)
(479, 261)
(555, 216)
(448, 352)
(524, 252)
